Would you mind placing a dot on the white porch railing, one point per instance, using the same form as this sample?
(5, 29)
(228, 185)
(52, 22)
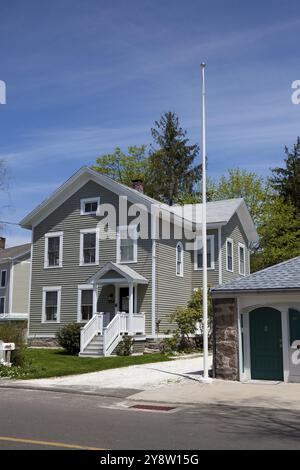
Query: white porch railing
(93, 327)
(112, 333)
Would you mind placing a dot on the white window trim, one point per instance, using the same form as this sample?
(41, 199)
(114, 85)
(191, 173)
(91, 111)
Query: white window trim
(61, 242)
(118, 245)
(241, 245)
(86, 200)
(211, 239)
(4, 306)
(82, 287)
(2, 271)
(82, 232)
(181, 261)
(230, 241)
(51, 289)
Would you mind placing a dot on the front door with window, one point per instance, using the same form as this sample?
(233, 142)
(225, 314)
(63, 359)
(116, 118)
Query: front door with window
(124, 299)
(266, 344)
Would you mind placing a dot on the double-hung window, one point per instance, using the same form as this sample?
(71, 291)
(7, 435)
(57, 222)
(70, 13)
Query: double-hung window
(179, 259)
(89, 247)
(53, 250)
(3, 278)
(229, 254)
(51, 304)
(2, 305)
(210, 253)
(242, 259)
(89, 206)
(86, 303)
(126, 244)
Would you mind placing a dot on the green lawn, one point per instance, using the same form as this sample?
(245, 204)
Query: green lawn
(55, 363)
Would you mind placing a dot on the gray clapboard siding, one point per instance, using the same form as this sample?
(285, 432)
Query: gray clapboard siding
(172, 290)
(67, 219)
(235, 231)
(21, 279)
(5, 291)
(212, 274)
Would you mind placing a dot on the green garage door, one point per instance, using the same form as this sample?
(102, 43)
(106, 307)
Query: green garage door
(266, 344)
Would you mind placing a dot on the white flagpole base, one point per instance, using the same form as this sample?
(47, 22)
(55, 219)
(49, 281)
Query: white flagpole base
(207, 380)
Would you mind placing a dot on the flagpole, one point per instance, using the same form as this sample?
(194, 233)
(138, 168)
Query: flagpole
(204, 232)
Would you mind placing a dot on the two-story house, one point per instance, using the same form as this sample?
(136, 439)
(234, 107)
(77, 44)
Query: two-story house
(116, 261)
(14, 281)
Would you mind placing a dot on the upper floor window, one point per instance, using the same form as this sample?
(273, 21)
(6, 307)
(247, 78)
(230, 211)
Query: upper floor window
(126, 245)
(51, 304)
(89, 246)
(179, 259)
(89, 205)
(2, 305)
(53, 250)
(210, 254)
(242, 259)
(229, 254)
(3, 278)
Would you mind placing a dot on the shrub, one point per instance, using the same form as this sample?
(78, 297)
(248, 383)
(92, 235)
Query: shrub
(14, 332)
(124, 348)
(68, 337)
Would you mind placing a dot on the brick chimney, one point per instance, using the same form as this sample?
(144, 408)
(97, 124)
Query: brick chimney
(2, 243)
(138, 185)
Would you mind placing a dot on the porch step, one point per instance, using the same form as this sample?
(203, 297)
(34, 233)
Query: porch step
(94, 348)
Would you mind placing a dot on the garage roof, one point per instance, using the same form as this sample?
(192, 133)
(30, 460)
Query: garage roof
(282, 276)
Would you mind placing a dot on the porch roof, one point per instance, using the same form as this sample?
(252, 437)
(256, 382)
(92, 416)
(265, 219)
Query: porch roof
(123, 272)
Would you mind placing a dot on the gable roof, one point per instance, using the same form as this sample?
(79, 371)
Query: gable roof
(9, 254)
(123, 270)
(282, 276)
(73, 184)
(218, 213)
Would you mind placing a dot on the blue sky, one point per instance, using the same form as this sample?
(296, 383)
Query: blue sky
(86, 76)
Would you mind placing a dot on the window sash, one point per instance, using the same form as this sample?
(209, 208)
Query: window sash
(242, 259)
(51, 305)
(53, 251)
(90, 207)
(229, 255)
(127, 244)
(89, 248)
(86, 304)
(3, 278)
(208, 255)
(179, 260)
(2, 305)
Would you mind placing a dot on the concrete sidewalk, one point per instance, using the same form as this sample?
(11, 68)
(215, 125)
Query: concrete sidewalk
(119, 382)
(272, 395)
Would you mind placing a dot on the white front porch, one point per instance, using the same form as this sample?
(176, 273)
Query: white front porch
(104, 331)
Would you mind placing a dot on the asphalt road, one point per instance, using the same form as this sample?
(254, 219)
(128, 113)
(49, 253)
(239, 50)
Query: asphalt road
(51, 420)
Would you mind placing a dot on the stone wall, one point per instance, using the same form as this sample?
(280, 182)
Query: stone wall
(226, 343)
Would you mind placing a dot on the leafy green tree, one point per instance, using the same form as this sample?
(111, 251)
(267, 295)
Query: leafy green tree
(172, 172)
(246, 184)
(286, 180)
(124, 167)
(279, 233)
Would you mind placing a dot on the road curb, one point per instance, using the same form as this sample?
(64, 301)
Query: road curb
(108, 393)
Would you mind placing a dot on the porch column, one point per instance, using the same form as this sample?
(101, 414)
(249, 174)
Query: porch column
(95, 298)
(130, 313)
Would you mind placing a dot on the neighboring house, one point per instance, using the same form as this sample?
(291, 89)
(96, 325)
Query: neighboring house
(86, 271)
(14, 281)
(257, 325)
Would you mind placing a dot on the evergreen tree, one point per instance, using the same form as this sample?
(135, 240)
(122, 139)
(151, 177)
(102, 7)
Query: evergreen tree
(172, 172)
(286, 181)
